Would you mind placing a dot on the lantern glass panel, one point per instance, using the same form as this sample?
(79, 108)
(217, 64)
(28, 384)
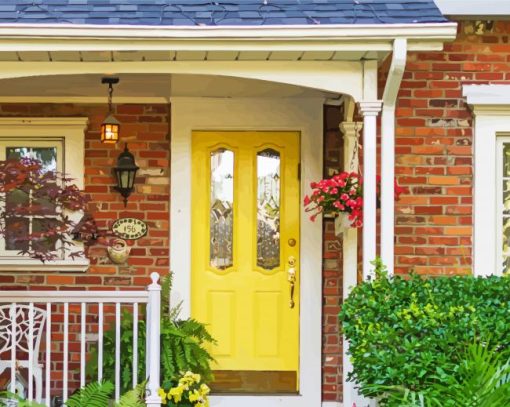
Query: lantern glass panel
(124, 178)
(109, 133)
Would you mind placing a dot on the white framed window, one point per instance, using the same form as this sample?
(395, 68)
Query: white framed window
(503, 203)
(59, 144)
(491, 110)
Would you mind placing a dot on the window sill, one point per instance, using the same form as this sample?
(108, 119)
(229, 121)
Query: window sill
(70, 266)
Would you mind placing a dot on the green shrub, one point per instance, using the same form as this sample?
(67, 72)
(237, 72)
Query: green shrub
(483, 380)
(413, 332)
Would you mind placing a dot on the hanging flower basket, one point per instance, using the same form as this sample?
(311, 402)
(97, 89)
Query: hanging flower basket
(342, 223)
(341, 196)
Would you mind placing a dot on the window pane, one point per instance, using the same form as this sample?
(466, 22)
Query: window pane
(16, 229)
(268, 212)
(222, 210)
(41, 226)
(46, 155)
(506, 160)
(16, 198)
(506, 197)
(506, 244)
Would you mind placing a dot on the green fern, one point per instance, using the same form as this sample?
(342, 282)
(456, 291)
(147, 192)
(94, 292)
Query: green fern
(95, 394)
(134, 397)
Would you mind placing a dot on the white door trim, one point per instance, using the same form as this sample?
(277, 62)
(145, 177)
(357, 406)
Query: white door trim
(304, 115)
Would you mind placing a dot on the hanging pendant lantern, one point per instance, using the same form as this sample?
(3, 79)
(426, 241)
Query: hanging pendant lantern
(110, 128)
(125, 173)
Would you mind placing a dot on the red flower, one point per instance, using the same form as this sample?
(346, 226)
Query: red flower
(342, 193)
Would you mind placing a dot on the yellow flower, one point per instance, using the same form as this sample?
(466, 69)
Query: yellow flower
(162, 394)
(176, 393)
(194, 396)
(204, 389)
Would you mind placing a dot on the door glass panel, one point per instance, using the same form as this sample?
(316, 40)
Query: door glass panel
(268, 209)
(221, 209)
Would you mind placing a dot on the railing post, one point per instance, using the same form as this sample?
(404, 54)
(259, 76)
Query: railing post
(153, 342)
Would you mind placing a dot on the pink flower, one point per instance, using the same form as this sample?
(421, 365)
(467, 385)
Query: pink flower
(338, 205)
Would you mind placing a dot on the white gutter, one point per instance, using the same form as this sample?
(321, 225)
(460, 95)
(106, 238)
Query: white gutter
(345, 31)
(395, 74)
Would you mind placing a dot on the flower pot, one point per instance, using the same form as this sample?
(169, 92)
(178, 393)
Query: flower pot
(342, 223)
(118, 251)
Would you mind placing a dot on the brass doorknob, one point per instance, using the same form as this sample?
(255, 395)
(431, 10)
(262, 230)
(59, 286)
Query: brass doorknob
(291, 278)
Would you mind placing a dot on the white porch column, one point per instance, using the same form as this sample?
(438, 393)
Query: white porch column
(369, 110)
(351, 132)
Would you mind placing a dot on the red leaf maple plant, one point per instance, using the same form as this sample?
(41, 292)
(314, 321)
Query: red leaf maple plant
(49, 197)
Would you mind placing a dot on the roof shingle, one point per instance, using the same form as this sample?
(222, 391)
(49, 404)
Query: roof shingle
(220, 12)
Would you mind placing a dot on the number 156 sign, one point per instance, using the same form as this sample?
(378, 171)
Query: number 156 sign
(129, 228)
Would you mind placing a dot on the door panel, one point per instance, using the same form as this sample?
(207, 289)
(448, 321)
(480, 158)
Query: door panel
(245, 228)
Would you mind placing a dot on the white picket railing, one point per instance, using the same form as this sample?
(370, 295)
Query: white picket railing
(25, 316)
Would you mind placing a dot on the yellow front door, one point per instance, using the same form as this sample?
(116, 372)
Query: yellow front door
(245, 255)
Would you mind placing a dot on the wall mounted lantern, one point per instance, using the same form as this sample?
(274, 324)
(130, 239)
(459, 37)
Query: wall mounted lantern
(110, 128)
(125, 173)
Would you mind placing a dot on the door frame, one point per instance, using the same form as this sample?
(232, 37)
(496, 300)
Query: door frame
(190, 114)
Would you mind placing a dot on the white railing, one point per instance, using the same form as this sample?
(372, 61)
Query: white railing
(27, 316)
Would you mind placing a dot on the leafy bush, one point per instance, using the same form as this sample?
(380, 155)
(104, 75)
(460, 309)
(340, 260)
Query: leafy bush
(483, 381)
(413, 332)
(183, 347)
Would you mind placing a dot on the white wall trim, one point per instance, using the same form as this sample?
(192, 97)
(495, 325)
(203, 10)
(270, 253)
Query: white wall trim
(304, 115)
(332, 404)
(474, 8)
(491, 109)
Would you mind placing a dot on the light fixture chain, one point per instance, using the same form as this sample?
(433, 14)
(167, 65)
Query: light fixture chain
(110, 97)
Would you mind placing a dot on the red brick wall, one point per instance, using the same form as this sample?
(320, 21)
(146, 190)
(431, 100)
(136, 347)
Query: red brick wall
(146, 129)
(332, 269)
(434, 149)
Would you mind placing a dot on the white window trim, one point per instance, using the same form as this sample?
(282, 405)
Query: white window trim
(72, 131)
(491, 109)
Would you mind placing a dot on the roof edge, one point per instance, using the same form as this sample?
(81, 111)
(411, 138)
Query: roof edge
(444, 31)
